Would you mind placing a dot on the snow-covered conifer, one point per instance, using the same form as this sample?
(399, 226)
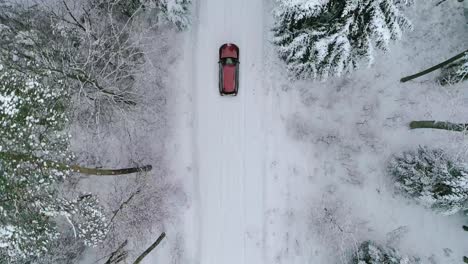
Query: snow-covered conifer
(322, 38)
(434, 178)
(370, 252)
(34, 145)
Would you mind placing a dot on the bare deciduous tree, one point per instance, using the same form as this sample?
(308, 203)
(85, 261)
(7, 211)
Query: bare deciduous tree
(95, 50)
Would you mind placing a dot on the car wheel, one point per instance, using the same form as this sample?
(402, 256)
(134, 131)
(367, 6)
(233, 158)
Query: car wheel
(220, 79)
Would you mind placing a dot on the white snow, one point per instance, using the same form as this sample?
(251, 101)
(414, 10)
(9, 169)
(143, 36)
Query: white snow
(6, 232)
(304, 6)
(8, 104)
(293, 172)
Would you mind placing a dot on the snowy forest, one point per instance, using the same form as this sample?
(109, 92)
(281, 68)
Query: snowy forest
(322, 40)
(70, 70)
(364, 153)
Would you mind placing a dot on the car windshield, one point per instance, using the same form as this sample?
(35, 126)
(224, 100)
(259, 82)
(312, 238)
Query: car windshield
(229, 61)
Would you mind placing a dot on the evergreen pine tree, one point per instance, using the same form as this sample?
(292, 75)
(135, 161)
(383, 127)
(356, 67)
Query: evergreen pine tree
(33, 122)
(318, 39)
(434, 178)
(370, 252)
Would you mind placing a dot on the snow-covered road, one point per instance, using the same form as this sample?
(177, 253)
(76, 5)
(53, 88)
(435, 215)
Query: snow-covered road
(228, 134)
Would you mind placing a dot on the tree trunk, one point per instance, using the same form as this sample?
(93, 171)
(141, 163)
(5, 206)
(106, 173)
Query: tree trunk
(147, 251)
(438, 125)
(75, 168)
(440, 65)
(465, 8)
(102, 172)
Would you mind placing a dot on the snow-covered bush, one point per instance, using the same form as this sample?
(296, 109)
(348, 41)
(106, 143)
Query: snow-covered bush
(33, 150)
(370, 252)
(455, 72)
(434, 178)
(322, 38)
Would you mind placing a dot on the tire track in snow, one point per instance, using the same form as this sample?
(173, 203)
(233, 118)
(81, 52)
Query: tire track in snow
(195, 228)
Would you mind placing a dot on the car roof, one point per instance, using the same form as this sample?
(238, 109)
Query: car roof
(229, 78)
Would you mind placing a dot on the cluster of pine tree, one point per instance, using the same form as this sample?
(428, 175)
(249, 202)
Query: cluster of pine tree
(319, 39)
(435, 178)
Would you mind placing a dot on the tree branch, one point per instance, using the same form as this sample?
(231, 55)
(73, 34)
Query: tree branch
(153, 246)
(77, 23)
(440, 65)
(118, 255)
(440, 2)
(122, 205)
(83, 78)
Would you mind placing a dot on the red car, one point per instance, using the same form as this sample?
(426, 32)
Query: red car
(228, 69)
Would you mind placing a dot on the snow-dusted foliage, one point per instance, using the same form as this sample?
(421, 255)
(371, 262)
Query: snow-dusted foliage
(403, 2)
(28, 40)
(173, 11)
(322, 38)
(33, 154)
(455, 72)
(370, 252)
(26, 187)
(434, 178)
(86, 216)
(177, 12)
